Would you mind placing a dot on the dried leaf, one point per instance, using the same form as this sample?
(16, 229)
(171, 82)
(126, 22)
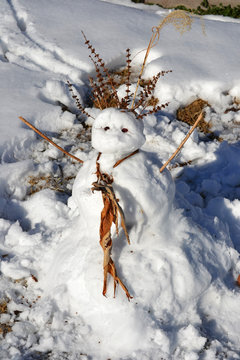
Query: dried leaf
(34, 278)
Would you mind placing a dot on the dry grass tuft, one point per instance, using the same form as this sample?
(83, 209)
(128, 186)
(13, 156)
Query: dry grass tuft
(189, 113)
(41, 182)
(3, 306)
(4, 327)
(179, 19)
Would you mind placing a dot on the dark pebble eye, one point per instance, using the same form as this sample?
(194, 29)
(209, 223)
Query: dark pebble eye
(124, 130)
(106, 128)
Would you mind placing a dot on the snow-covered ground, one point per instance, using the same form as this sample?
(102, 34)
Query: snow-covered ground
(183, 261)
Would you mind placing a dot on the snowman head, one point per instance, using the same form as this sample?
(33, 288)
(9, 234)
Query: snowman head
(117, 132)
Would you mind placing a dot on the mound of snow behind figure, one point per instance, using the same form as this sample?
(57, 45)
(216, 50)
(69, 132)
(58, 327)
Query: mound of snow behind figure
(168, 265)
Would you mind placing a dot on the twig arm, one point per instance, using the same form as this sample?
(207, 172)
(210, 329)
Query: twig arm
(183, 142)
(49, 140)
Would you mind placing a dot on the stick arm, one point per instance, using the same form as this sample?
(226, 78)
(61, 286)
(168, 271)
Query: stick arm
(183, 142)
(49, 140)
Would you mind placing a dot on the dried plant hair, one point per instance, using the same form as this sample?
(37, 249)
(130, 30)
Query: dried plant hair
(104, 87)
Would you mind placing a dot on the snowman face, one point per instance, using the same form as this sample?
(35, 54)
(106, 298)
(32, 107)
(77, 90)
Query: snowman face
(117, 132)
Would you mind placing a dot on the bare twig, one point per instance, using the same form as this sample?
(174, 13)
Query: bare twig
(77, 100)
(183, 142)
(49, 140)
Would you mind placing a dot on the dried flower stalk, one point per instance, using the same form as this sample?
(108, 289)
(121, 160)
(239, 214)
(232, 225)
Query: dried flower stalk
(104, 93)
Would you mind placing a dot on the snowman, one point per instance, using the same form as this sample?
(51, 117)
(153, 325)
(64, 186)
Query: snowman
(167, 268)
(120, 187)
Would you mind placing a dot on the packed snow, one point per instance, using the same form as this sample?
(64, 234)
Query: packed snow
(182, 262)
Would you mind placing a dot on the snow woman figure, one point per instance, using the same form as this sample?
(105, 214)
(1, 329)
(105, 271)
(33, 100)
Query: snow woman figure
(119, 196)
(120, 185)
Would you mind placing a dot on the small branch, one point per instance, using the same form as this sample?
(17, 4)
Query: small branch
(183, 142)
(50, 141)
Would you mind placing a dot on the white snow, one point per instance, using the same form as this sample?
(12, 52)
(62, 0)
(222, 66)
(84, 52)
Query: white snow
(183, 260)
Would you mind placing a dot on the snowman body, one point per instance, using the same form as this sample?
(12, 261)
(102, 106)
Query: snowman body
(137, 182)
